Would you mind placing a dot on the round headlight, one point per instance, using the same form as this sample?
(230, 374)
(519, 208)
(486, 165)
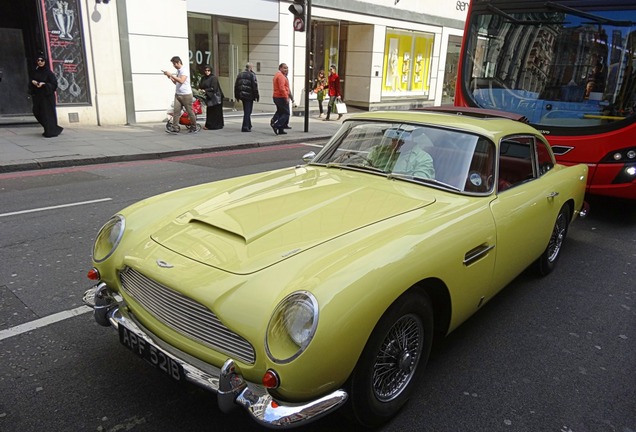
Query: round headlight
(291, 327)
(108, 238)
(631, 154)
(618, 156)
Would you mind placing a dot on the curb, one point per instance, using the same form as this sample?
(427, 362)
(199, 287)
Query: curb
(65, 163)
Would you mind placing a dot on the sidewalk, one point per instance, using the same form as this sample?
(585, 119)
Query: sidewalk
(22, 147)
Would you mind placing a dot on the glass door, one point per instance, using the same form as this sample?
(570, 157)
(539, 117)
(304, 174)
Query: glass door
(233, 53)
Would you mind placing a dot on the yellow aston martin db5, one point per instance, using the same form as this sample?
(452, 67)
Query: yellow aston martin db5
(295, 292)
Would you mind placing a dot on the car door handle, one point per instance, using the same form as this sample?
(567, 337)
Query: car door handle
(551, 195)
(477, 253)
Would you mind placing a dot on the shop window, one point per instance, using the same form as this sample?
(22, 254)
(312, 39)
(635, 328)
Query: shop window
(407, 63)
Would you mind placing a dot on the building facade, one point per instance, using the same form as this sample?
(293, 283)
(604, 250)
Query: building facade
(109, 56)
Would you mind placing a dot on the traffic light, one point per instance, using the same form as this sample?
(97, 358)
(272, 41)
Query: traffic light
(299, 10)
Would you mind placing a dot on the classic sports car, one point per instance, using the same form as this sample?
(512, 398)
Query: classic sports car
(297, 291)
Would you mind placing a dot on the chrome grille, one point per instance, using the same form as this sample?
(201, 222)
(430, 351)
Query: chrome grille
(185, 315)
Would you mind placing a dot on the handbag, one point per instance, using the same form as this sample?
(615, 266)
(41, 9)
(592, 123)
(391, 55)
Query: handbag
(214, 98)
(341, 107)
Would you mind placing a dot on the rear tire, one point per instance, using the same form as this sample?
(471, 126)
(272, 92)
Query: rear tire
(393, 360)
(548, 260)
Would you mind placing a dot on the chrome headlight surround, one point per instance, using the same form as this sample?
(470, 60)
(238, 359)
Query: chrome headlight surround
(108, 238)
(291, 327)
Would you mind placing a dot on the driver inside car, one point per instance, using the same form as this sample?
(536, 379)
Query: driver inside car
(404, 154)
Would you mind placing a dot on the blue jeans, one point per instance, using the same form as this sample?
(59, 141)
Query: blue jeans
(281, 117)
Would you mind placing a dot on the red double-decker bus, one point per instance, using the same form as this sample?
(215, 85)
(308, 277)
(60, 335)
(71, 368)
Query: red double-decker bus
(569, 67)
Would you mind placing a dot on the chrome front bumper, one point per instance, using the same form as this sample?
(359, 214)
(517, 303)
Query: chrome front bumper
(227, 382)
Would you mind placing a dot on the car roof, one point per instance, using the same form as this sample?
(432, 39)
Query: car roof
(492, 127)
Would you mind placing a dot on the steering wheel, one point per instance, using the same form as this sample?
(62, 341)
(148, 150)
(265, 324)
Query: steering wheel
(353, 156)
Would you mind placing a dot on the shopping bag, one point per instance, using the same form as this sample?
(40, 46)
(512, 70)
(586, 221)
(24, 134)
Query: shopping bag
(341, 107)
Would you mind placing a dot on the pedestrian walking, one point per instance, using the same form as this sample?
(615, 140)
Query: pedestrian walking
(334, 91)
(281, 100)
(42, 89)
(213, 100)
(320, 84)
(246, 90)
(183, 95)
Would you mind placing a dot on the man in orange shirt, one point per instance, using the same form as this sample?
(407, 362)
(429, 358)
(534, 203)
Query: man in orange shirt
(281, 99)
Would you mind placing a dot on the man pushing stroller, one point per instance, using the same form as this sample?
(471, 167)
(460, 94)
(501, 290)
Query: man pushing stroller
(183, 95)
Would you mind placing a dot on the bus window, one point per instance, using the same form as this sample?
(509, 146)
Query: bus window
(570, 70)
(557, 68)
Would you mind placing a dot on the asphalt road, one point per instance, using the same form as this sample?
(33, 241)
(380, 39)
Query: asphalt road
(547, 354)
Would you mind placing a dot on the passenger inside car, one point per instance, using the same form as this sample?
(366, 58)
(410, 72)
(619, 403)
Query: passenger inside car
(404, 153)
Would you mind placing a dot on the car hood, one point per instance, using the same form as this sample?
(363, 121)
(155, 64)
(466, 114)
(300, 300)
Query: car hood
(255, 223)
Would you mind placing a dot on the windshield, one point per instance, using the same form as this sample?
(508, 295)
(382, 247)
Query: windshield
(443, 158)
(560, 67)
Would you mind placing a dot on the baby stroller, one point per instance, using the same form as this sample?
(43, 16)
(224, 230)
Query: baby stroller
(197, 107)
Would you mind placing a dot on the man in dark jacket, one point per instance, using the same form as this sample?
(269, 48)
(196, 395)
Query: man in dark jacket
(246, 90)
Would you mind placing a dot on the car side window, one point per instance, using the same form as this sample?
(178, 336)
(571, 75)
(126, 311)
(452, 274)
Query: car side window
(515, 162)
(544, 158)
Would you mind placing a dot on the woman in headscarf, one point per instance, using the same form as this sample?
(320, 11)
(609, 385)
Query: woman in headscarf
(42, 89)
(214, 100)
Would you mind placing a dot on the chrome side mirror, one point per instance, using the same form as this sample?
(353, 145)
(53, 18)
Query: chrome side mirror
(308, 157)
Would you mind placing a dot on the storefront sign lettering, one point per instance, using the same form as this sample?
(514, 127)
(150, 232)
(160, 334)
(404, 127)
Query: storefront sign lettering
(461, 6)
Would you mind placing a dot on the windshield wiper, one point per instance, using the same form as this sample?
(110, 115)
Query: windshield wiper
(582, 14)
(422, 180)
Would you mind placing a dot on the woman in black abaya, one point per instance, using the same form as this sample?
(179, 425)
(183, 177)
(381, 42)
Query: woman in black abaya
(42, 89)
(213, 99)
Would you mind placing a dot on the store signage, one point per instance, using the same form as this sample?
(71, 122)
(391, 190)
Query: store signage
(65, 43)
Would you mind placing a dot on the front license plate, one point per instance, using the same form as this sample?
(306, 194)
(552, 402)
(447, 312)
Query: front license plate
(150, 353)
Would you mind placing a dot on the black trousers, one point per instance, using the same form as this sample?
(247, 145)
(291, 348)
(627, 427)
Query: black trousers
(248, 106)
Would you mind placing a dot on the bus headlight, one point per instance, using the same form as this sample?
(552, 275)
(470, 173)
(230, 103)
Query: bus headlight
(623, 155)
(627, 174)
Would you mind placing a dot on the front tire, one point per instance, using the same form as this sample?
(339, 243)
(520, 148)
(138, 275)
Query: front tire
(548, 260)
(392, 360)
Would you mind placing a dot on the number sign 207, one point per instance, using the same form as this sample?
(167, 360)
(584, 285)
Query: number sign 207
(200, 57)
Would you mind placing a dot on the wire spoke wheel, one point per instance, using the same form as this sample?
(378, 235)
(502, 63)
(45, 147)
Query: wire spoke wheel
(548, 259)
(393, 359)
(558, 235)
(397, 358)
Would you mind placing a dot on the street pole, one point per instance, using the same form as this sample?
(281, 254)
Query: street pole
(308, 65)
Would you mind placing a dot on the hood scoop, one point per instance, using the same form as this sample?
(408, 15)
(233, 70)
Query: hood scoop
(249, 230)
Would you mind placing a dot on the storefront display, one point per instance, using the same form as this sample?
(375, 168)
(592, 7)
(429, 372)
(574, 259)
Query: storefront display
(407, 63)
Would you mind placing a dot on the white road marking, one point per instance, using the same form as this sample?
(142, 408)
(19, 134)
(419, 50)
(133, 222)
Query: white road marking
(43, 322)
(55, 207)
